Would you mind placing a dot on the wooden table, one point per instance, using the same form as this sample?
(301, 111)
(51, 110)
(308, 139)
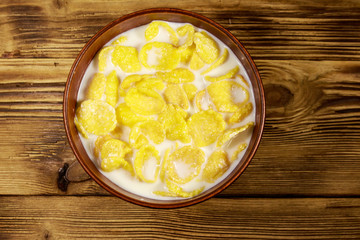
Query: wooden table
(304, 182)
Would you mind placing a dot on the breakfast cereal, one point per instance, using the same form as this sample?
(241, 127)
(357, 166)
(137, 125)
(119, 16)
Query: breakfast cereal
(165, 110)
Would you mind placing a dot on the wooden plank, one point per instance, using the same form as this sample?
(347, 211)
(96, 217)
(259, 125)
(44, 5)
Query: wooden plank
(32, 156)
(32, 87)
(309, 147)
(307, 30)
(111, 218)
(311, 132)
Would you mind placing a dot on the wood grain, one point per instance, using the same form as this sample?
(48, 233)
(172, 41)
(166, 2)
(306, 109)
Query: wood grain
(32, 87)
(309, 147)
(111, 218)
(310, 30)
(303, 183)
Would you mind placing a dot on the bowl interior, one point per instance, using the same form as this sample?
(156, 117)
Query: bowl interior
(135, 20)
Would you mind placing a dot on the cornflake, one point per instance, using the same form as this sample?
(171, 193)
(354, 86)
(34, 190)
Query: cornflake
(144, 101)
(217, 164)
(175, 94)
(205, 127)
(96, 117)
(167, 57)
(223, 95)
(126, 58)
(151, 129)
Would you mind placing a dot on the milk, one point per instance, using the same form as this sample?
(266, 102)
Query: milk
(121, 177)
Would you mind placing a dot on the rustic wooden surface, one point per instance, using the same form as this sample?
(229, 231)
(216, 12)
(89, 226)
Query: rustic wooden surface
(304, 182)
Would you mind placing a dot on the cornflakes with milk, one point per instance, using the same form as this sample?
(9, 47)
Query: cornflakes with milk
(166, 111)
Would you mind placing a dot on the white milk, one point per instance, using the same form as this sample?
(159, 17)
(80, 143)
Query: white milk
(136, 38)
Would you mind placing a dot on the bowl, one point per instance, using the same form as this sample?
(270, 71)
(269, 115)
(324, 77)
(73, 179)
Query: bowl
(138, 19)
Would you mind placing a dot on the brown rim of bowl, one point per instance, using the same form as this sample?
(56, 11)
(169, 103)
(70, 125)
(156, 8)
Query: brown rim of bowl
(91, 169)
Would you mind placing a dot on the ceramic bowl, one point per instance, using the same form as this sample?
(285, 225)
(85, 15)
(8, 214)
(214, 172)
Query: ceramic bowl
(131, 21)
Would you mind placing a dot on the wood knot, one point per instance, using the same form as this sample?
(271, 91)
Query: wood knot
(59, 4)
(14, 54)
(277, 96)
(62, 181)
(46, 234)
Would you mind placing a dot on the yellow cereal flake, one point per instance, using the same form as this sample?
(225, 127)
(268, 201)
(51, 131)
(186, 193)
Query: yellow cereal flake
(114, 148)
(97, 86)
(216, 165)
(241, 113)
(179, 191)
(151, 129)
(146, 153)
(181, 111)
(196, 62)
(242, 79)
(190, 90)
(103, 57)
(206, 47)
(178, 75)
(224, 95)
(230, 134)
(163, 56)
(230, 74)
(174, 94)
(113, 152)
(111, 90)
(199, 99)
(153, 30)
(151, 83)
(120, 40)
(188, 30)
(126, 58)
(189, 158)
(164, 165)
(144, 101)
(111, 163)
(205, 127)
(174, 124)
(117, 132)
(137, 140)
(96, 117)
(203, 101)
(122, 92)
(165, 194)
(218, 62)
(129, 80)
(99, 143)
(126, 117)
(80, 128)
(186, 53)
(238, 150)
